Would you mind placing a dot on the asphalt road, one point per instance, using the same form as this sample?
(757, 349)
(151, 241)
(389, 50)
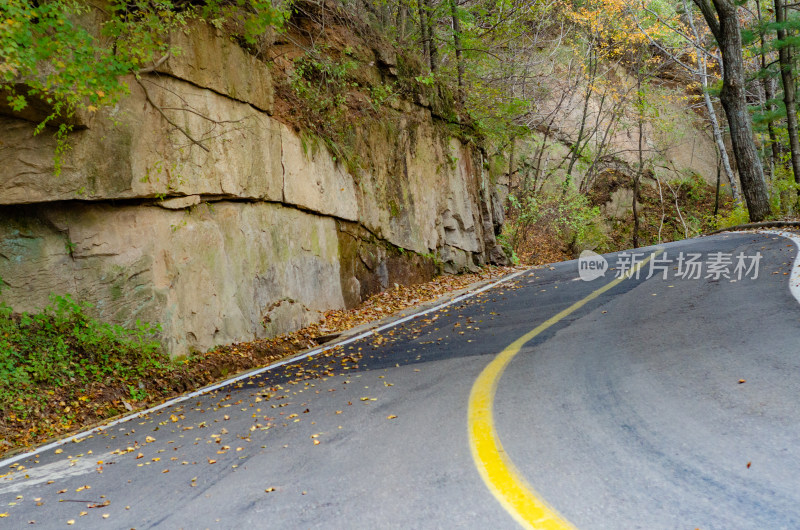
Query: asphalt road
(626, 413)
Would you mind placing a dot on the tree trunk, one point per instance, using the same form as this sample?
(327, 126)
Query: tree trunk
(712, 113)
(637, 177)
(402, 21)
(744, 148)
(433, 51)
(785, 61)
(723, 151)
(728, 34)
(769, 95)
(577, 148)
(423, 32)
(511, 160)
(716, 193)
(459, 50)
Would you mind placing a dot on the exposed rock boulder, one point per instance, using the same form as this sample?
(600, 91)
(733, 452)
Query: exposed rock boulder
(213, 274)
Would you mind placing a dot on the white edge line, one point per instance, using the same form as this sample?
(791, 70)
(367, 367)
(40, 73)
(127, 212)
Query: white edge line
(794, 277)
(180, 399)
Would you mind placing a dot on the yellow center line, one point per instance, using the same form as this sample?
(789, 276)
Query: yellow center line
(496, 468)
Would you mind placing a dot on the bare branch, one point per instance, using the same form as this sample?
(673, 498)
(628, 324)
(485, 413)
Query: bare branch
(167, 118)
(155, 66)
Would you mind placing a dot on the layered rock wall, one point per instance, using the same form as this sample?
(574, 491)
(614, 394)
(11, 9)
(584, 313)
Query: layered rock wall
(189, 204)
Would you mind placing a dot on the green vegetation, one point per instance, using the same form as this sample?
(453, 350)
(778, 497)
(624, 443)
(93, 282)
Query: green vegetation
(569, 215)
(62, 355)
(61, 369)
(322, 83)
(53, 57)
(319, 85)
(784, 190)
(736, 216)
(553, 226)
(550, 223)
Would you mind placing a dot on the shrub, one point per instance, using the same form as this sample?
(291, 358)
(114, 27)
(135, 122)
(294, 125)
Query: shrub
(739, 215)
(565, 215)
(62, 347)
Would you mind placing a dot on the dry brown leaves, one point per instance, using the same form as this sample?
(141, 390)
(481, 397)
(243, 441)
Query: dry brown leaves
(400, 297)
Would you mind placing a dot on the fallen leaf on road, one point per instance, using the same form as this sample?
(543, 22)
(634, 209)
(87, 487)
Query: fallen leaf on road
(268, 490)
(149, 439)
(391, 417)
(59, 451)
(741, 381)
(210, 461)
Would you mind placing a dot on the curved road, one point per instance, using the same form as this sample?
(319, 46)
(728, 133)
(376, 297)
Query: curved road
(628, 412)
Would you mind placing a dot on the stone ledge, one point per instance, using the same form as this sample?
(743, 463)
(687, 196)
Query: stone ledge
(179, 203)
(210, 60)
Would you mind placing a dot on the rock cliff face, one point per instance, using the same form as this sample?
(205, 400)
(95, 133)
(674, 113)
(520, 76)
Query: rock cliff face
(192, 205)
